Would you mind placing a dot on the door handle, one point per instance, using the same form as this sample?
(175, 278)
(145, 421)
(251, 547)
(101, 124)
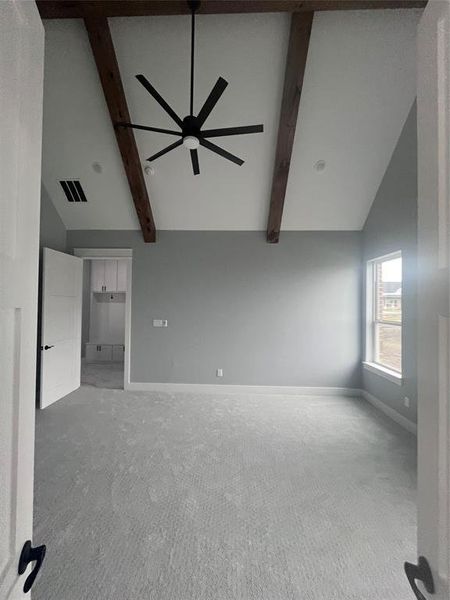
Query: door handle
(420, 572)
(46, 347)
(30, 554)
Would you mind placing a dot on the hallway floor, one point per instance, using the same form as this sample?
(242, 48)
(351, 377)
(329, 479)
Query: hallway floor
(152, 496)
(107, 375)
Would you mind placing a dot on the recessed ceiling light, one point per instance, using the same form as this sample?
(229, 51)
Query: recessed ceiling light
(320, 165)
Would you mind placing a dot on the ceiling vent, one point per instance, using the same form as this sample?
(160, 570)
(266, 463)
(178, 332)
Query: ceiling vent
(73, 190)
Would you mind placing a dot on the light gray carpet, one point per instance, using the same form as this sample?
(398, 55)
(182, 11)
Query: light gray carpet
(107, 375)
(189, 497)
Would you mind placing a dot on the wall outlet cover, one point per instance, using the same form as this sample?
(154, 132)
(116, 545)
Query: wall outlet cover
(160, 323)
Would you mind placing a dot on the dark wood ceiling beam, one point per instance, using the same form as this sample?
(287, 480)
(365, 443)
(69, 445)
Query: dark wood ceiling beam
(71, 9)
(301, 24)
(108, 70)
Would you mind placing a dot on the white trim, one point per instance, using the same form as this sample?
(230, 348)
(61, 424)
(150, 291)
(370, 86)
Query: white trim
(384, 257)
(127, 353)
(389, 374)
(443, 438)
(370, 287)
(212, 388)
(371, 318)
(116, 254)
(103, 252)
(390, 412)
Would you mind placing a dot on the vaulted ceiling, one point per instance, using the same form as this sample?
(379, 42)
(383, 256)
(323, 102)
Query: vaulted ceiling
(358, 88)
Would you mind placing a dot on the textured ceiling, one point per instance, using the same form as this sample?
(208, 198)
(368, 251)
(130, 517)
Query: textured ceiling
(359, 86)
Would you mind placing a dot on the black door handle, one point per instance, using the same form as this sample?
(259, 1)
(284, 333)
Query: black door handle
(30, 554)
(46, 347)
(420, 572)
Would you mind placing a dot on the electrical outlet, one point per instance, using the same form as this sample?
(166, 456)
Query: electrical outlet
(406, 401)
(219, 373)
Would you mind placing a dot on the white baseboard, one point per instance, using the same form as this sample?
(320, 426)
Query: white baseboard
(211, 388)
(390, 412)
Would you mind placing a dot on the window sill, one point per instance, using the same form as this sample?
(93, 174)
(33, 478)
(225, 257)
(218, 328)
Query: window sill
(383, 372)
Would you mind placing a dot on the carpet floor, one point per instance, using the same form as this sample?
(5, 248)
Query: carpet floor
(222, 497)
(102, 375)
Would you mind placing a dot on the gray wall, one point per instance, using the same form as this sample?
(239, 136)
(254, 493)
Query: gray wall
(286, 314)
(52, 231)
(391, 226)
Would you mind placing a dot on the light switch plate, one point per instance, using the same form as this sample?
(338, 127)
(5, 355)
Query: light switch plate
(160, 323)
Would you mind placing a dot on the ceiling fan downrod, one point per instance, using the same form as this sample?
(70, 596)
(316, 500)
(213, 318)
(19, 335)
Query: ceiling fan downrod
(194, 5)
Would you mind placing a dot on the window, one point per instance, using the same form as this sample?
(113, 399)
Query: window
(384, 312)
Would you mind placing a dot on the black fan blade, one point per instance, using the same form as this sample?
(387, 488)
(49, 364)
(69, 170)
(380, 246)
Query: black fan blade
(145, 128)
(221, 151)
(151, 90)
(194, 159)
(233, 131)
(211, 100)
(167, 149)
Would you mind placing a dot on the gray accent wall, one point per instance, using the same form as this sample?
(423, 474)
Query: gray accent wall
(392, 226)
(52, 231)
(282, 314)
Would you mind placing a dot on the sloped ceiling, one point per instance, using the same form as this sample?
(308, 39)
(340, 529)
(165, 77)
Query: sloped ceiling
(358, 89)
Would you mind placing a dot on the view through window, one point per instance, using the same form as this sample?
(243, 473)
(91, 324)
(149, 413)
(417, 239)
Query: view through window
(387, 312)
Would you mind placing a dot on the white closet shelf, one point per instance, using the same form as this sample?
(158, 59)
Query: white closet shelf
(110, 296)
(104, 352)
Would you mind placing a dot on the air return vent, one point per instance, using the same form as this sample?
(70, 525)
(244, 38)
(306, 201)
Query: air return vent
(73, 190)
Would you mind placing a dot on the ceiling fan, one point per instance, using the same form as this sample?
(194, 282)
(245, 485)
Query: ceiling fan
(192, 135)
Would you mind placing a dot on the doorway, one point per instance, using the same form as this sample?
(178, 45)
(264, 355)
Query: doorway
(105, 329)
(103, 322)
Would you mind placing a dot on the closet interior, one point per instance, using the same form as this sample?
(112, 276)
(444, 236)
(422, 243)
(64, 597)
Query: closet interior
(103, 324)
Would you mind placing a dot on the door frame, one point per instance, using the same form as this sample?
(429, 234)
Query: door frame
(116, 254)
(433, 129)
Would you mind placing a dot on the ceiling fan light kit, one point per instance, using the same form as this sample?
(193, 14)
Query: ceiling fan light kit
(191, 142)
(192, 135)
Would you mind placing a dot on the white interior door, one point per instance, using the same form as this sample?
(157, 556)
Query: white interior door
(62, 289)
(21, 81)
(434, 325)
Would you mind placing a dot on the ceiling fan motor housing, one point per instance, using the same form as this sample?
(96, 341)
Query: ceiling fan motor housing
(191, 126)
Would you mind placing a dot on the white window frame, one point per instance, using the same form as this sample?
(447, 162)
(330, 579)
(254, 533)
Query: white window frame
(371, 320)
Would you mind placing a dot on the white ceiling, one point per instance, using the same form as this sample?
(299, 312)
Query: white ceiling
(359, 86)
